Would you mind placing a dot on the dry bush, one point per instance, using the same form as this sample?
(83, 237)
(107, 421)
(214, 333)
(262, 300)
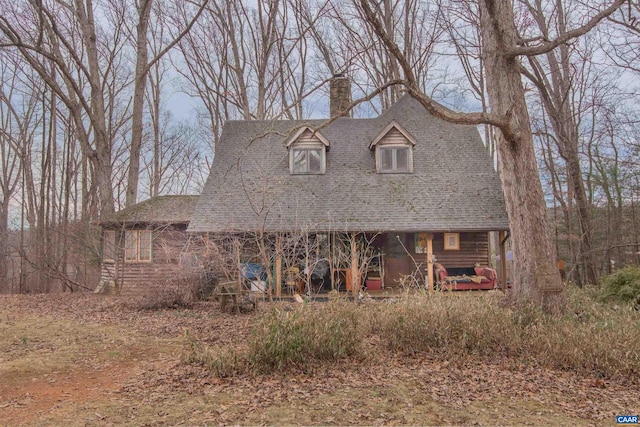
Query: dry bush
(594, 339)
(286, 339)
(303, 338)
(180, 292)
(454, 325)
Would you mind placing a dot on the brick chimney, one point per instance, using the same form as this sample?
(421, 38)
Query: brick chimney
(339, 95)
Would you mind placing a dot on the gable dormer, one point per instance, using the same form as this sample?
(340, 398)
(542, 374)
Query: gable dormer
(307, 152)
(393, 149)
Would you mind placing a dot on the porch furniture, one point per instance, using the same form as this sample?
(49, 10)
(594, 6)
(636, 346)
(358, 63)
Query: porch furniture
(466, 279)
(241, 299)
(226, 290)
(375, 272)
(293, 281)
(373, 283)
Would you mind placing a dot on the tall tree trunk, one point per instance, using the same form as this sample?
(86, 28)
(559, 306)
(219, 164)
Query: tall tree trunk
(142, 58)
(536, 276)
(556, 85)
(101, 157)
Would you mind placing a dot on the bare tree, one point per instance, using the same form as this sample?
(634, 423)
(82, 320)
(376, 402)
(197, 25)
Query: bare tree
(461, 25)
(536, 276)
(143, 65)
(346, 46)
(66, 52)
(555, 78)
(10, 161)
(250, 61)
(623, 38)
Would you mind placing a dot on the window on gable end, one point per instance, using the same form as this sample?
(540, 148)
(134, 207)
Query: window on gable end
(394, 159)
(307, 153)
(393, 150)
(308, 160)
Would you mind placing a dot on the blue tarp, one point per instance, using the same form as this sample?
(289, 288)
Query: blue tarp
(253, 271)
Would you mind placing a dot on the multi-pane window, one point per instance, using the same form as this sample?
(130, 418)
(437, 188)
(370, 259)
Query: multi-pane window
(308, 161)
(394, 159)
(137, 246)
(109, 245)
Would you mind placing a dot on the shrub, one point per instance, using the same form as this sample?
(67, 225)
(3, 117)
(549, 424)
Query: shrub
(594, 338)
(452, 325)
(302, 338)
(623, 285)
(172, 294)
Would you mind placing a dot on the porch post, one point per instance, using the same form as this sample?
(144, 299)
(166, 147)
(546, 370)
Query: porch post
(236, 244)
(331, 260)
(355, 277)
(430, 262)
(503, 261)
(278, 265)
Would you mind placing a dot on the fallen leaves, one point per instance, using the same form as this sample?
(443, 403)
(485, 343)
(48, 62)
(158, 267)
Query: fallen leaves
(149, 384)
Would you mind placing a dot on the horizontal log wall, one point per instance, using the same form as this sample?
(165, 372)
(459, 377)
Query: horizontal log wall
(474, 248)
(170, 261)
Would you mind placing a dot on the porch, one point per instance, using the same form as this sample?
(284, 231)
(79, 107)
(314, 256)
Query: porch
(385, 262)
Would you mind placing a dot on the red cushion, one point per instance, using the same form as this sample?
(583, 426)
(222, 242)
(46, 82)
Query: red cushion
(490, 274)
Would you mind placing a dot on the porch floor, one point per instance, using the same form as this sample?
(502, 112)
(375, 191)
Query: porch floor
(386, 293)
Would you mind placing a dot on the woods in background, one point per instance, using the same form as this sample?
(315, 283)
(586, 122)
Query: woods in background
(93, 117)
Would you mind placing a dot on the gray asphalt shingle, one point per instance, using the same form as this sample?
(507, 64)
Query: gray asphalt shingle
(453, 186)
(160, 209)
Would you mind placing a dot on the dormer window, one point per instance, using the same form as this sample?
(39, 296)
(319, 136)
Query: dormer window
(394, 159)
(307, 152)
(308, 160)
(394, 149)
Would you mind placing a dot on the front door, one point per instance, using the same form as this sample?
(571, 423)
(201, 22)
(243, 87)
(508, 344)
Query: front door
(397, 264)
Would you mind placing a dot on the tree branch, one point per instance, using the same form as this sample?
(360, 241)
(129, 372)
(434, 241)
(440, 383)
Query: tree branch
(552, 44)
(179, 37)
(413, 89)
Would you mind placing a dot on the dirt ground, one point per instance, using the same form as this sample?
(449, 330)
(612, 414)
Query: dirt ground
(95, 360)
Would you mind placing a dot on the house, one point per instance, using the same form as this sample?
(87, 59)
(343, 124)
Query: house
(146, 244)
(376, 199)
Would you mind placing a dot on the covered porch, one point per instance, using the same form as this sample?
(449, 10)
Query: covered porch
(320, 262)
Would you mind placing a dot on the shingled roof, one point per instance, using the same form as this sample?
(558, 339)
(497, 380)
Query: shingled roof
(453, 187)
(156, 210)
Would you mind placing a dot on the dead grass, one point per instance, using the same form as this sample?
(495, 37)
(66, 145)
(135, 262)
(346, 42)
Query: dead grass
(34, 345)
(88, 360)
(594, 339)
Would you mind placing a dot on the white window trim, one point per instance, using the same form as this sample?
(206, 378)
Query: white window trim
(137, 259)
(381, 147)
(308, 147)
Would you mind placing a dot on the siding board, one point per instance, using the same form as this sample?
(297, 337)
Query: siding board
(474, 248)
(168, 250)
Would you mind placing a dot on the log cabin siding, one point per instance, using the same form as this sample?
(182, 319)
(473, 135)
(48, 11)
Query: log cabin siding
(474, 248)
(401, 258)
(170, 258)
